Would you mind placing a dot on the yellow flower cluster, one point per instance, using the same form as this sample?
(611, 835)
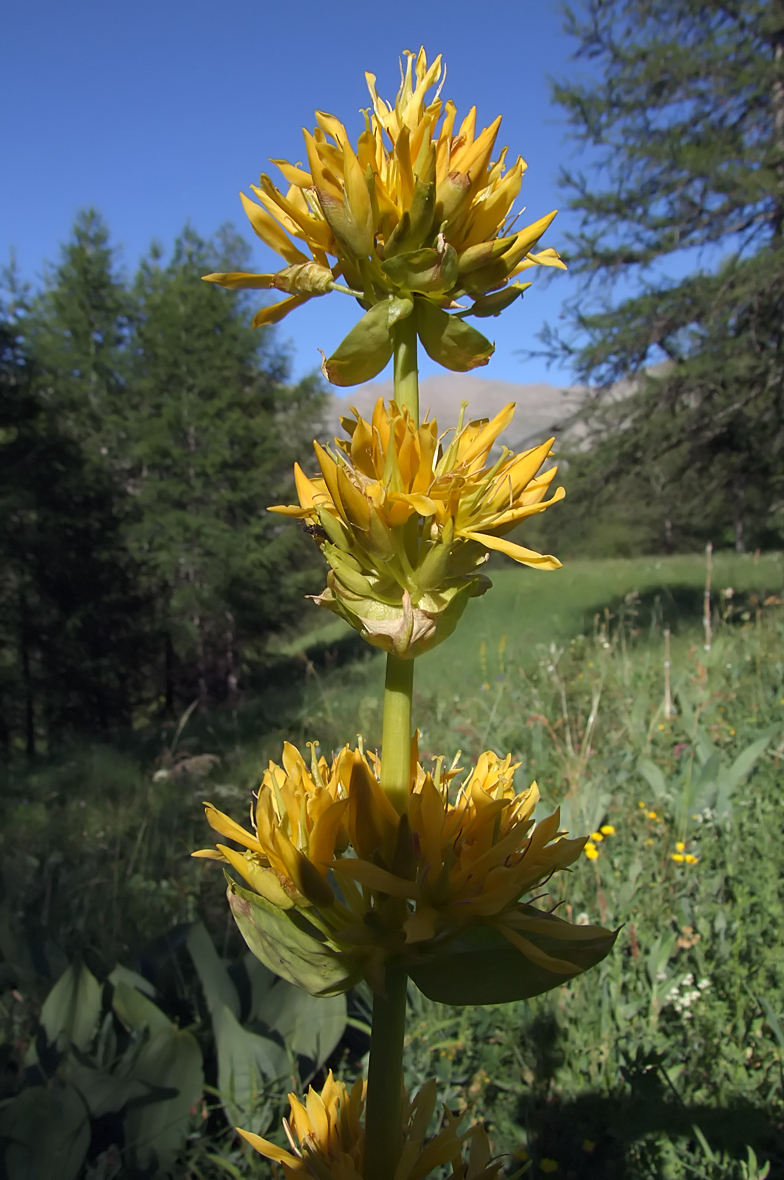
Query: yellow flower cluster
(417, 209)
(591, 850)
(406, 519)
(327, 1138)
(327, 839)
(407, 182)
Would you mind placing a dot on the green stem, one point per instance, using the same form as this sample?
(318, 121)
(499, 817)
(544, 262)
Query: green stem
(385, 1080)
(406, 375)
(385, 1069)
(396, 734)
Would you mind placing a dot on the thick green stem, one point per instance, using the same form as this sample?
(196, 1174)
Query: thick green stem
(396, 735)
(406, 375)
(385, 1080)
(385, 1070)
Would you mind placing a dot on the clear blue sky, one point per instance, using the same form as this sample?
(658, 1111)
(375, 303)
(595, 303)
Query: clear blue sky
(158, 112)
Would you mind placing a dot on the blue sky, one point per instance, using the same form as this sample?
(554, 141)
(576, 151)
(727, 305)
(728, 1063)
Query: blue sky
(157, 113)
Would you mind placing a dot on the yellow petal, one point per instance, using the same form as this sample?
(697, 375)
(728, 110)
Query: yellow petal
(275, 312)
(238, 280)
(273, 1152)
(294, 175)
(540, 561)
(375, 877)
(267, 228)
(227, 827)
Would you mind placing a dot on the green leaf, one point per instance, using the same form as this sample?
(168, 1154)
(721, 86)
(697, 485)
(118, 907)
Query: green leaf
(497, 301)
(449, 340)
(482, 967)
(653, 777)
(125, 975)
(245, 1061)
(290, 946)
(364, 352)
(136, 1011)
(311, 1026)
(744, 763)
(219, 991)
(46, 1133)
(170, 1059)
(423, 270)
(71, 1011)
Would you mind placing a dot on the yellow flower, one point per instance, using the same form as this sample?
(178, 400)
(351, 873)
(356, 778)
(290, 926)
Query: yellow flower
(607, 830)
(406, 519)
(652, 815)
(591, 851)
(327, 1138)
(400, 885)
(677, 856)
(417, 208)
(597, 837)
(298, 822)
(548, 1166)
(691, 859)
(679, 846)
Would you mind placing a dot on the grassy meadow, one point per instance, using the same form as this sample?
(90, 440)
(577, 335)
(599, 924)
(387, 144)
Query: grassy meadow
(667, 1060)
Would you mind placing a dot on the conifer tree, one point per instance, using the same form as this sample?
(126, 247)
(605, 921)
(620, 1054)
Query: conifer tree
(215, 431)
(685, 118)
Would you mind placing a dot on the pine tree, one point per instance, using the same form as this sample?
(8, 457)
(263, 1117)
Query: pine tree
(686, 120)
(71, 618)
(215, 433)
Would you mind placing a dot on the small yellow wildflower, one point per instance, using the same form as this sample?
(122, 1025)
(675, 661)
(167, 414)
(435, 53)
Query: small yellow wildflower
(588, 1145)
(607, 830)
(548, 1166)
(661, 727)
(679, 846)
(691, 859)
(641, 804)
(652, 815)
(591, 851)
(678, 856)
(649, 843)
(597, 837)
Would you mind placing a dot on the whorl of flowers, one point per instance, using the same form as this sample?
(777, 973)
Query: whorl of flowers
(327, 840)
(327, 1138)
(406, 519)
(416, 216)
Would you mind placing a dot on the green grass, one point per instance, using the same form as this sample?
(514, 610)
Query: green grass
(566, 672)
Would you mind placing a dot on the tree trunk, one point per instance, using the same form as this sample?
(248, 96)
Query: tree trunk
(739, 515)
(668, 544)
(29, 710)
(168, 665)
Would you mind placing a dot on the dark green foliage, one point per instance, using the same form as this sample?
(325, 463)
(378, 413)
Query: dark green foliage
(685, 120)
(214, 433)
(144, 430)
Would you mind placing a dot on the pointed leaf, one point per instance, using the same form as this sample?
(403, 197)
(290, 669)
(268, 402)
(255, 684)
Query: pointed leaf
(654, 777)
(449, 340)
(169, 1060)
(71, 1011)
(215, 980)
(289, 945)
(364, 352)
(311, 1026)
(482, 967)
(246, 1061)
